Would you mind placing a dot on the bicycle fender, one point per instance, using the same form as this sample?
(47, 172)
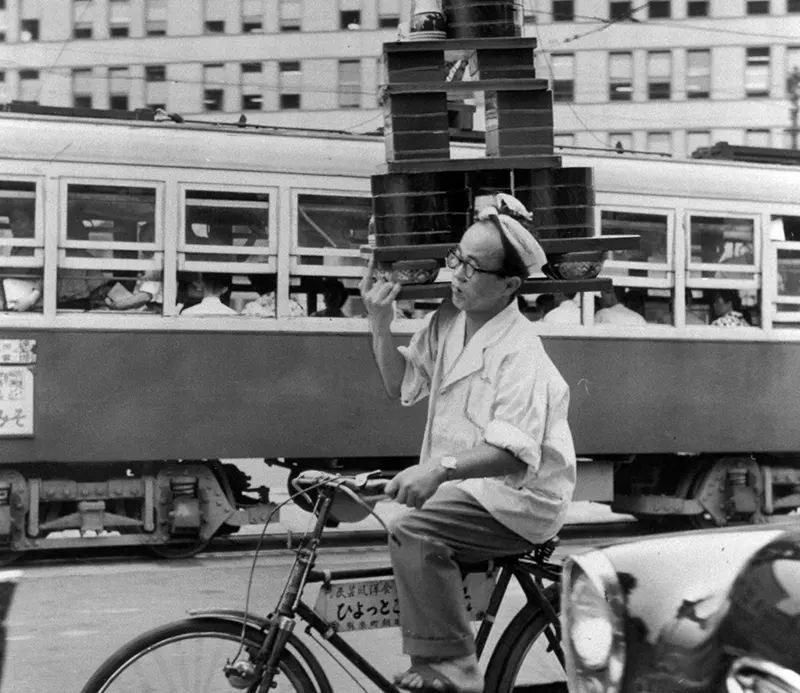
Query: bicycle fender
(298, 646)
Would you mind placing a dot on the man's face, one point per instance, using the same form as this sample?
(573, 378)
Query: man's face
(21, 223)
(482, 292)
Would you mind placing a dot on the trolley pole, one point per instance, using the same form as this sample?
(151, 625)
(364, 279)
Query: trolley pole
(792, 83)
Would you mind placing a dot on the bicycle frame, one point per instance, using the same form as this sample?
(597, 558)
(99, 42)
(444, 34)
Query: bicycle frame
(530, 572)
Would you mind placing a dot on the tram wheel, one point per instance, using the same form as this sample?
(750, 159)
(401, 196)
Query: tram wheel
(178, 549)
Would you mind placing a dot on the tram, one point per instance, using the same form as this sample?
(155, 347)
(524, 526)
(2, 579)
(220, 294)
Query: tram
(121, 419)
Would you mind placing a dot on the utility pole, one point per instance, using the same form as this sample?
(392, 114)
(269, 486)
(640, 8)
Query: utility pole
(792, 83)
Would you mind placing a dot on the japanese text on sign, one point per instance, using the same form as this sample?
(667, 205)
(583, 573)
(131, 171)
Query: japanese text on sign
(367, 604)
(16, 401)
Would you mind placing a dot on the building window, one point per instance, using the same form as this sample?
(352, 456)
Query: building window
(213, 99)
(118, 88)
(659, 142)
(793, 5)
(213, 82)
(290, 102)
(563, 11)
(155, 73)
(155, 22)
(155, 27)
(563, 66)
(252, 26)
(349, 83)
(389, 21)
(389, 13)
(620, 73)
(757, 6)
(756, 72)
(659, 75)
(697, 139)
(290, 78)
(697, 8)
(619, 10)
(119, 31)
(659, 9)
(215, 26)
(82, 88)
(82, 30)
(118, 102)
(252, 13)
(251, 102)
(29, 30)
(755, 137)
(349, 19)
(29, 85)
(251, 87)
(290, 15)
(698, 74)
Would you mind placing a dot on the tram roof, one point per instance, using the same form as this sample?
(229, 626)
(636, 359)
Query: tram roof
(208, 145)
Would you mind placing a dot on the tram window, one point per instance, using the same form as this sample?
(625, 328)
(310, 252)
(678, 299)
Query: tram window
(330, 231)
(652, 230)
(17, 218)
(100, 217)
(722, 241)
(230, 226)
(111, 257)
(784, 228)
(788, 272)
(20, 250)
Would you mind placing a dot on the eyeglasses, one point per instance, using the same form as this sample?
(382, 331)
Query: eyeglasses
(455, 260)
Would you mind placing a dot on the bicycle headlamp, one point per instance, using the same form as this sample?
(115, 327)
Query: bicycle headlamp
(592, 623)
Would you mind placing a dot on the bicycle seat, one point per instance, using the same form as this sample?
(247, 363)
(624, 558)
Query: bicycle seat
(539, 553)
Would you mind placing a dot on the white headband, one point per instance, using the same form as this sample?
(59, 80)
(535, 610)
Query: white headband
(505, 210)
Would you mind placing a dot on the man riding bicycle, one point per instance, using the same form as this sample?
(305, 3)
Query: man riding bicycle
(497, 465)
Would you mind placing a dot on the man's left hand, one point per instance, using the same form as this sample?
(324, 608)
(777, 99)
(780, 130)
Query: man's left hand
(414, 485)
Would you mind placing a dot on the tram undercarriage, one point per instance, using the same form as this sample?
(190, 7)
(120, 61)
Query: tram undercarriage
(707, 491)
(171, 508)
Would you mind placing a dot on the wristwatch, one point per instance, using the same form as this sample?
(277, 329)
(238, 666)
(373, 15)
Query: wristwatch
(449, 464)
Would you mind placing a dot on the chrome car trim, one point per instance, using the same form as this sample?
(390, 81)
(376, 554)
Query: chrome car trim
(755, 675)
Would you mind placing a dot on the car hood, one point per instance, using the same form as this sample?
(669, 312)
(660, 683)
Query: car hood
(676, 589)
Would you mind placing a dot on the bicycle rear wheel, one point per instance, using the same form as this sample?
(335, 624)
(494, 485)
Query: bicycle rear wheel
(521, 661)
(188, 657)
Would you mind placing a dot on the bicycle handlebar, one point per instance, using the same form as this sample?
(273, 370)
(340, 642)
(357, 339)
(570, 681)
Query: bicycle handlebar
(370, 486)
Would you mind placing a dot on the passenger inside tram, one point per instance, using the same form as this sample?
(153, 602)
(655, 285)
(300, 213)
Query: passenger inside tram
(728, 309)
(264, 306)
(214, 286)
(614, 309)
(566, 312)
(334, 294)
(22, 287)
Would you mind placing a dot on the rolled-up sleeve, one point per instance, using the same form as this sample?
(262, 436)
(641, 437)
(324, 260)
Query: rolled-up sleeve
(420, 356)
(529, 414)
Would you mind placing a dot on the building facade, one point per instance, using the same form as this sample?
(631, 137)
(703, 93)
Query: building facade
(663, 76)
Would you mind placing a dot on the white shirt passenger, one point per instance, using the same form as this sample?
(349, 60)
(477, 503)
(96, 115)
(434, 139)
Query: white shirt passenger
(502, 389)
(210, 305)
(618, 314)
(568, 312)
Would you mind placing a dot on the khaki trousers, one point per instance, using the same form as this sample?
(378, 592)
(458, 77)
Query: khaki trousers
(426, 547)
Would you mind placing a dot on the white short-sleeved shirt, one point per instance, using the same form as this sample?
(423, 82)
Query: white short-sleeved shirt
(504, 390)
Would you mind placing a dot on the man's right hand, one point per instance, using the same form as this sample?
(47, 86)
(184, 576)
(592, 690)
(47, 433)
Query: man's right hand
(378, 297)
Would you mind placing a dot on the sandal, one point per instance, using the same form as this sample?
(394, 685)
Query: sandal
(433, 681)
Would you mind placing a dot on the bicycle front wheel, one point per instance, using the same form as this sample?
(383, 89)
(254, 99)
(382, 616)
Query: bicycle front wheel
(188, 657)
(522, 661)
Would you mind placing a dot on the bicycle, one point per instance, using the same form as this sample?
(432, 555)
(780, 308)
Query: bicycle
(231, 649)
